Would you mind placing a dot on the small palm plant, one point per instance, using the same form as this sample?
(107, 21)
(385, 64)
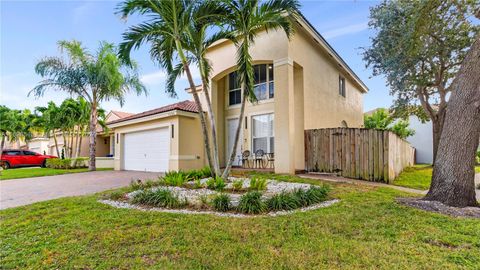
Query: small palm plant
(95, 77)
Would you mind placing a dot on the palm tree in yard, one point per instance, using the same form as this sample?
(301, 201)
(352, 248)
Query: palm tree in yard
(168, 32)
(95, 77)
(245, 19)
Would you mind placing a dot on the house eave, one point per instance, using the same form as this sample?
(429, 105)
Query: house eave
(153, 117)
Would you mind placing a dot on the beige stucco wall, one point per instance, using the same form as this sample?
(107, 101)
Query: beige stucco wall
(186, 147)
(102, 147)
(306, 94)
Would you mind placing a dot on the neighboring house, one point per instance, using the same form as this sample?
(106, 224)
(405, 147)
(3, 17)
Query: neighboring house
(301, 83)
(422, 140)
(104, 146)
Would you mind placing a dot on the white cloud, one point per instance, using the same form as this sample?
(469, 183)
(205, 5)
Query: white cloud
(153, 78)
(346, 30)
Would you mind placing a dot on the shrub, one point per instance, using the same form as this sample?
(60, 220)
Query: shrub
(257, 183)
(68, 163)
(203, 200)
(237, 185)
(198, 174)
(251, 203)
(116, 195)
(138, 184)
(175, 178)
(311, 196)
(197, 184)
(159, 198)
(283, 201)
(221, 202)
(216, 183)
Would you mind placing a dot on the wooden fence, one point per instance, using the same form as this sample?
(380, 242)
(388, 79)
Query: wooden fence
(366, 154)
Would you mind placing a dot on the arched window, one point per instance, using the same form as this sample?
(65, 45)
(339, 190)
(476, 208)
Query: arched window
(344, 124)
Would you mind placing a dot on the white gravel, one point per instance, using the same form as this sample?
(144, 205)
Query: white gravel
(193, 196)
(126, 205)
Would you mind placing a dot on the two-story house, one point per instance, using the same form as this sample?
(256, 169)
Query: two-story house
(301, 83)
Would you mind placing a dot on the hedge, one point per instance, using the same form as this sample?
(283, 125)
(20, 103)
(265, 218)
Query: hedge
(68, 163)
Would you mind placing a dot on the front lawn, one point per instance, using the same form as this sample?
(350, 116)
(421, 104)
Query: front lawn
(36, 172)
(367, 229)
(418, 177)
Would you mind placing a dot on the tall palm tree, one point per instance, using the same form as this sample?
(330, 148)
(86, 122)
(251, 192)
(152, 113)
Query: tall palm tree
(197, 40)
(245, 20)
(167, 33)
(96, 77)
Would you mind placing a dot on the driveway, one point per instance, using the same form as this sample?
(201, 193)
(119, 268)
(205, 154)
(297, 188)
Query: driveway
(25, 191)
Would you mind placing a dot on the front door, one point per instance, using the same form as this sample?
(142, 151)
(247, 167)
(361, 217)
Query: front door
(232, 125)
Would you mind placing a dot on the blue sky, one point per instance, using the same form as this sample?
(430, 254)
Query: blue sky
(30, 30)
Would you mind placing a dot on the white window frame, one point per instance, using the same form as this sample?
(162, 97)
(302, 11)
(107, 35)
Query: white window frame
(269, 146)
(342, 88)
(267, 82)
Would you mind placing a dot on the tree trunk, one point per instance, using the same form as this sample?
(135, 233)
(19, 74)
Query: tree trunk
(77, 137)
(206, 140)
(3, 143)
(93, 136)
(72, 135)
(65, 145)
(56, 144)
(226, 172)
(453, 173)
(79, 144)
(213, 126)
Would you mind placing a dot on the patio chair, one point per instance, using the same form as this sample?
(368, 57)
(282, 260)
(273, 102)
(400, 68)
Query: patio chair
(259, 155)
(270, 160)
(245, 158)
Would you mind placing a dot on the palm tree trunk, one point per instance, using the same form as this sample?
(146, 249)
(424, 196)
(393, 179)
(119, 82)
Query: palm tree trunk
(206, 141)
(56, 143)
(77, 137)
(216, 161)
(93, 136)
(72, 135)
(79, 145)
(226, 172)
(65, 142)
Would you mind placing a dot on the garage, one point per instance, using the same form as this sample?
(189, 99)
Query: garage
(147, 150)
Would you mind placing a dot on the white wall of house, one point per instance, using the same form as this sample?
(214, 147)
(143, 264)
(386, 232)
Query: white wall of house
(422, 140)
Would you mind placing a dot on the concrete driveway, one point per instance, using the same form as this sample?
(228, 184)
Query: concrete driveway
(25, 191)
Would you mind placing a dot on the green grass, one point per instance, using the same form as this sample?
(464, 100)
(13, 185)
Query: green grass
(418, 177)
(36, 172)
(367, 229)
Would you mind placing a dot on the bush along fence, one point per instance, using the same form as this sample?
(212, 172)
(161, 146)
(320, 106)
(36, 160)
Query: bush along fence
(367, 154)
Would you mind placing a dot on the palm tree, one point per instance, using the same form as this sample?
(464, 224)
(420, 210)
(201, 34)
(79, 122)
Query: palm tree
(95, 77)
(50, 116)
(196, 42)
(245, 20)
(167, 31)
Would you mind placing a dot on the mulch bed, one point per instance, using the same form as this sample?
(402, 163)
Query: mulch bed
(438, 207)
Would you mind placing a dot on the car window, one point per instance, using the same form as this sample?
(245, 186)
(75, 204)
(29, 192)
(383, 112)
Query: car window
(12, 153)
(29, 153)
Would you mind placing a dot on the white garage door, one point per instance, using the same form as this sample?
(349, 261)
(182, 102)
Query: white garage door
(147, 150)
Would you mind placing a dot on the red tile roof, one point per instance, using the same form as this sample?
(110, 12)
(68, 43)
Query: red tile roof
(186, 106)
(122, 114)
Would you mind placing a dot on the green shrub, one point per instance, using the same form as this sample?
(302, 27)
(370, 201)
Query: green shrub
(203, 201)
(197, 184)
(199, 174)
(159, 198)
(221, 202)
(138, 184)
(68, 163)
(175, 178)
(116, 195)
(216, 183)
(257, 183)
(251, 203)
(311, 196)
(237, 185)
(283, 201)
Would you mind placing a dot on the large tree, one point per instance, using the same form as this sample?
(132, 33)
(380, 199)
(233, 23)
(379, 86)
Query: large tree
(453, 181)
(245, 19)
(167, 31)
(418, 47)
(95, 77)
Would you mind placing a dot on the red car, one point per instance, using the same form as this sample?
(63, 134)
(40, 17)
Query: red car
(22, 158)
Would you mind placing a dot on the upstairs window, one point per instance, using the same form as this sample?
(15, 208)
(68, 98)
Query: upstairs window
(263, 84)
(341, 86)
(235, 92)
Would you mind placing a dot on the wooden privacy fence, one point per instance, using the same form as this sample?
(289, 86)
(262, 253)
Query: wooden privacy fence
(367, 154)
